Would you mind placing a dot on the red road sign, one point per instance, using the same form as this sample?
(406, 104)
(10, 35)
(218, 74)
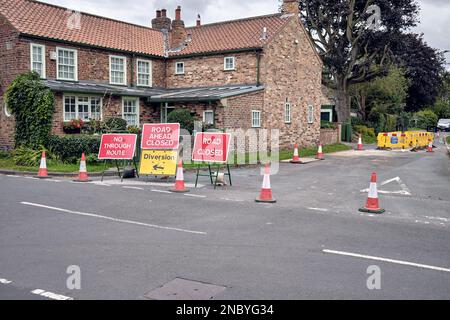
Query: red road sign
(164, 136)
(117, 147)
(211, 147)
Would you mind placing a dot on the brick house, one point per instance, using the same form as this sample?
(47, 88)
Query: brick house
(259, 72)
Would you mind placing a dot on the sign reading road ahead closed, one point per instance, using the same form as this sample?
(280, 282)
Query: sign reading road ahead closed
(158, 162)
(211, 147)
(164, 136)
(117, 147)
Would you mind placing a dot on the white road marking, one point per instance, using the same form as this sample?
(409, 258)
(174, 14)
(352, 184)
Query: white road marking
(92, 215)
(160, 191)
(134, 188)
(405, 190)
(437, 218)
(234, 200)
(318, 209)
(143, 183)
(5, 281)
(50, 295)
(406, 263)
(194, 195)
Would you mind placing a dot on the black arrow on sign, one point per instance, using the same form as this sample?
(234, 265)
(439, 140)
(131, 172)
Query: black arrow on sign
(156, 167)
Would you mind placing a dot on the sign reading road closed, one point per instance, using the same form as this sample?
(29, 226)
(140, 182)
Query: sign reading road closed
(158, 162)
(211, 147)
(160, 136)
(117, 147)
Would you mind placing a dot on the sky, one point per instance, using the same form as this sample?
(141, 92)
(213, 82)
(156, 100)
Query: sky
(434, 15)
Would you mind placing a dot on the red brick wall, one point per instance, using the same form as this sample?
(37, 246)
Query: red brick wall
(209, 71)
(292, 71)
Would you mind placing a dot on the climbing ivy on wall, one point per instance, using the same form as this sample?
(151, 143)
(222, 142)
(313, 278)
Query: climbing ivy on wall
(32, 105)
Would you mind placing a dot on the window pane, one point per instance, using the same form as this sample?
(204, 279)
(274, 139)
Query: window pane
(69, 108)
(130, 112)
(66, 64)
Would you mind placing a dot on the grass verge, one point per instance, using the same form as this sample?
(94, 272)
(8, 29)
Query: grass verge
(8, 164)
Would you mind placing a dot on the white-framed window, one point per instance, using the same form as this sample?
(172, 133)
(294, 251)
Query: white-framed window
(287, 112)
(310, 114)
(82, 107)
(229, 63)
(67, 64)
(130, 111)
(117, 70)
(144, 73)
(208, 117)
(179, 67)
(37, 59)
(256, 119)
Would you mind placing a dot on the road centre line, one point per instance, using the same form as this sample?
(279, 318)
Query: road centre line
(134, 188)
(318, 209)
(5, 281)
(50, 295)
(92, 215)
(194, 195)
(406, 263)
(160, 191)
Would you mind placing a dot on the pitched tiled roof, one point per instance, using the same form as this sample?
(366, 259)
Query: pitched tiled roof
(49, 21)
(233, 35)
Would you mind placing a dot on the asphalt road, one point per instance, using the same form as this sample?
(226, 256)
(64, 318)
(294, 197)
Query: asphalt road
(129, 239)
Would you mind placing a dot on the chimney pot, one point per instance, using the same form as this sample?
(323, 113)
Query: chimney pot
(199, 21)
(164, 12)
(178, 13)
(158, 13)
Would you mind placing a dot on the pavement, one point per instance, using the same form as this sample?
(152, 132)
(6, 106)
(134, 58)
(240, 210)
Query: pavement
(137, 240)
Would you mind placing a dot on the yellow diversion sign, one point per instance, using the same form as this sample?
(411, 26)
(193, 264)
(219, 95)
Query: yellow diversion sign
(159, 162)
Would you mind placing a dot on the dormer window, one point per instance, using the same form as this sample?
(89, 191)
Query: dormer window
(179, 67)
(229, 63)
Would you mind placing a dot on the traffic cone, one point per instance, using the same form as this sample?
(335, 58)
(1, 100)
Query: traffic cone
(179, 183)
(82, 175)
(430, 147)
(296, 157)
(266, 191)
(43, 174)
(372, 205)
(320, 155)
(360, 144)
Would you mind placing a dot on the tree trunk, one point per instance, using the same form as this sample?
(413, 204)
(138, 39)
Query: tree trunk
(342, 101)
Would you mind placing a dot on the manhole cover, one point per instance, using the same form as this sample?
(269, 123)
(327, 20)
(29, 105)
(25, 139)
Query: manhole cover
(182, 289)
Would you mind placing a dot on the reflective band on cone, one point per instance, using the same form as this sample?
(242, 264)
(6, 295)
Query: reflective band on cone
(320, 153)
(296, 157)
(372, 205)
(179, 183)
(83, 175)
(266, 190)
(43, 174)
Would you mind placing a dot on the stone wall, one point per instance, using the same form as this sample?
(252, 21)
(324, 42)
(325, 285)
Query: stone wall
(330, 136)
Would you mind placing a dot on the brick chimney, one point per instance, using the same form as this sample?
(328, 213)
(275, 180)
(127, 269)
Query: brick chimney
(290, 6)
(179, 34)
(199, 20)
(161, 22)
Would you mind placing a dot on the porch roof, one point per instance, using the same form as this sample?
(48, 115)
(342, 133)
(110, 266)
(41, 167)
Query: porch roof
(204, 94)
(200, 94)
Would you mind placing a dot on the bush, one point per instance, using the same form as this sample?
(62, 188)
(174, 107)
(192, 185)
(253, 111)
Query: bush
(134, 130)
(183, 117)
(70, 148)
(4, 154)
(357, 122)
(23, 156)
(32, 105)
(368, 134)
(115, 125)
(327, 125)
(426, 118)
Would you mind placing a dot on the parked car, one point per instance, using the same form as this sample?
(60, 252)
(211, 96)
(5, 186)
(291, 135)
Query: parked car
(444, 124)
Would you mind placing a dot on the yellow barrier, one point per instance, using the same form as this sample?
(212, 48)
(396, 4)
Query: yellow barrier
(404, 140)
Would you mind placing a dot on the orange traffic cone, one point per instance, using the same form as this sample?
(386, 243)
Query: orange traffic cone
(296, 157)
(430, 147)
(82, 175)
(320, 155)
(360, 144)
(179, 183)
(372, 205)
(266, 191)
(43, 174)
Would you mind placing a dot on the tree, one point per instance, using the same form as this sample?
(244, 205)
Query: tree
(424, 67)
(388, 93)
(354, 37)
(32, 105)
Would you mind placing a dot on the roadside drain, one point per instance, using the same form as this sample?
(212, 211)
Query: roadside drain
(182, 289)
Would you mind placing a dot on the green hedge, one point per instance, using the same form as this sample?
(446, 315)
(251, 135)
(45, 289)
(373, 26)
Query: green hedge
(70, 148)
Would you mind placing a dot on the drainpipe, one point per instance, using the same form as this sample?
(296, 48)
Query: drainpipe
(133, 60)
(258, 68)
